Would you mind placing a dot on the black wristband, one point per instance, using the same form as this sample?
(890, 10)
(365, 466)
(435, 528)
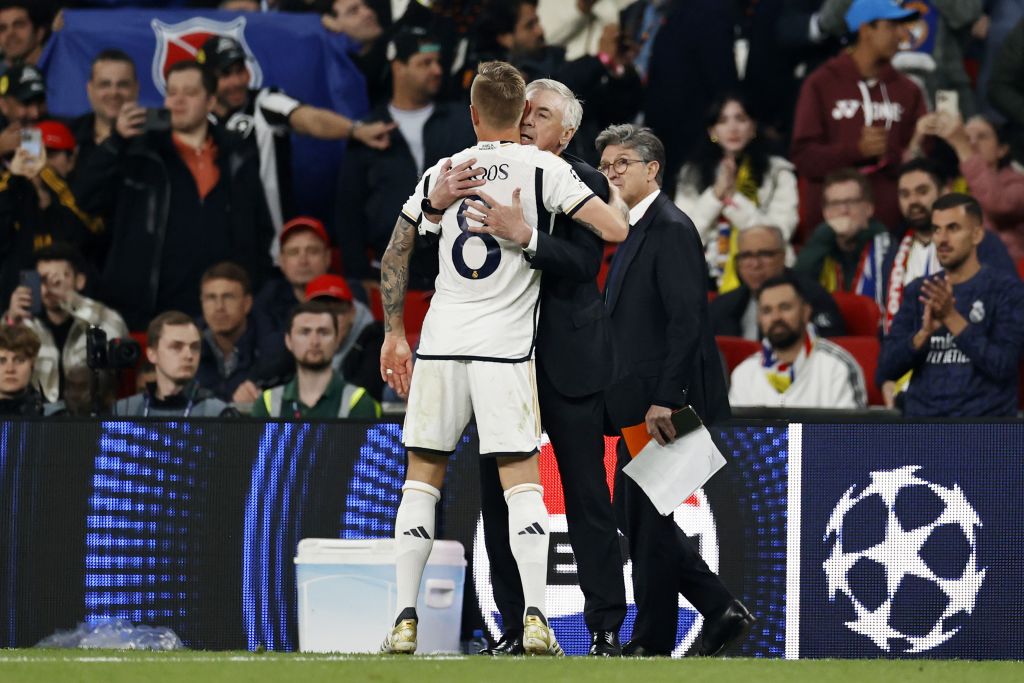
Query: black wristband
(427, 207)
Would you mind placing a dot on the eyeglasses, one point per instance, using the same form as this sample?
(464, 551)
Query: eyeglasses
(843, 203)
(620, 165)
(760, 255)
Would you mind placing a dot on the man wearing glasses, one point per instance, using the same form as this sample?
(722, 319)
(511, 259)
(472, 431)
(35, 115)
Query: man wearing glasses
(836, 252)
(656, 297)
(762, 257)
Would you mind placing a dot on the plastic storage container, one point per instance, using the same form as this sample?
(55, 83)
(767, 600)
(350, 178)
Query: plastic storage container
(347, 595)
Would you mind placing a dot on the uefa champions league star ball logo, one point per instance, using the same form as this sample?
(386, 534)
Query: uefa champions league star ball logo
(904, 555)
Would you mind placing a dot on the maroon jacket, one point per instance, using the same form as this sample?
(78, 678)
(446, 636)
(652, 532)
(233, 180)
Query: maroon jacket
(826, 131)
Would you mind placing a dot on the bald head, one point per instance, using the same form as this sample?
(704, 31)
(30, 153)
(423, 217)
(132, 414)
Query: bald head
(761, 255)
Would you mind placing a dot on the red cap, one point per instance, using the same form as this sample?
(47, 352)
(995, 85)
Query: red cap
(295, 225)
(56, 135)
(332, 286)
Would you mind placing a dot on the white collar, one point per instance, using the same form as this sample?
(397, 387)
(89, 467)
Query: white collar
(638, 211)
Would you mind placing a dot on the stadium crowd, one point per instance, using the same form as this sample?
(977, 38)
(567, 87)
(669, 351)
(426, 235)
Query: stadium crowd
(850, 168)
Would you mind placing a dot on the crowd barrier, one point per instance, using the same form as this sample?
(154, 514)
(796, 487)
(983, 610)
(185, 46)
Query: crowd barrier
(846, 540)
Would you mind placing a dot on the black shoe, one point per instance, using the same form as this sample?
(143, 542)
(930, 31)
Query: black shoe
(635, 649)
(728, 628)
(511, 644)
(605, 644)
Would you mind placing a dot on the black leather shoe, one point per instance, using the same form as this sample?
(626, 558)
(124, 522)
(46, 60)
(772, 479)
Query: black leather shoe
(511, 644)
(728, 628)
(634, 649)
(605, 644)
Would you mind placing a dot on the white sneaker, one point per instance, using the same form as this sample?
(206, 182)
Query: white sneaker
(401, 640)
(538, 637)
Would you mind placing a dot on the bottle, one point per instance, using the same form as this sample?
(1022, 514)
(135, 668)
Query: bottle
(477, 643)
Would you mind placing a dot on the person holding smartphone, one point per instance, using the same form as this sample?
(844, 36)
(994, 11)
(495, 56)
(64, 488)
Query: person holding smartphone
(61, 318)
(22, 104)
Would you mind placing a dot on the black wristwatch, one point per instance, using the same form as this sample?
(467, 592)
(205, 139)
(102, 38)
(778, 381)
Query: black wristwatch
(427, 207)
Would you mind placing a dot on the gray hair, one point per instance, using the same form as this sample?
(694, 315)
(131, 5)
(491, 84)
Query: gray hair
(641, 140)
(775, 231)
(572, 108)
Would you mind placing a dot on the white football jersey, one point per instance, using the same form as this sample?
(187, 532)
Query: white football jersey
(486, 299)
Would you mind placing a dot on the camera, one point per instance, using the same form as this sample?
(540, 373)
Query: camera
(115, 354)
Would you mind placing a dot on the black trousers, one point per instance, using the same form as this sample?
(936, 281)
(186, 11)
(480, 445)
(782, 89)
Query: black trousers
(665, 563)
(575, 426)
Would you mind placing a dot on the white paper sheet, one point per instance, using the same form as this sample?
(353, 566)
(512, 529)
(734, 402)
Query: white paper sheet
(670, 474)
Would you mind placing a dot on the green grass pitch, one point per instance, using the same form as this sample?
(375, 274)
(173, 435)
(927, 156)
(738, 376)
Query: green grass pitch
(53, 666)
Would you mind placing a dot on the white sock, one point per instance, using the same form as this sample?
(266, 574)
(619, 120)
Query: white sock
(414, 537)
(528, 539)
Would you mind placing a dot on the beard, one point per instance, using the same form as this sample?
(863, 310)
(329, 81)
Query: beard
(782, 336)
(921, 223)
(314, 365)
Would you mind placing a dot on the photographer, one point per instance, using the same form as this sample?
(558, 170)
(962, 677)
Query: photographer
(60, 316)
(18, 349)
(173, 347)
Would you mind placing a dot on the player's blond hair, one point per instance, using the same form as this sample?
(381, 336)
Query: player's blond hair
(498, 94)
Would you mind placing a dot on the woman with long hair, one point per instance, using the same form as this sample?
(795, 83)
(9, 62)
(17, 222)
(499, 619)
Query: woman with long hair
(731, 184)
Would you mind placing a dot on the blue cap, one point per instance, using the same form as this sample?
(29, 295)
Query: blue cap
(865, 11)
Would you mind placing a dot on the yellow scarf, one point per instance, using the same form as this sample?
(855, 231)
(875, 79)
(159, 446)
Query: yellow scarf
(729, 243)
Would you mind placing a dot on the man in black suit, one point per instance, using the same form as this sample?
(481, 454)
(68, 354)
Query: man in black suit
(575, 364)
(656, 295)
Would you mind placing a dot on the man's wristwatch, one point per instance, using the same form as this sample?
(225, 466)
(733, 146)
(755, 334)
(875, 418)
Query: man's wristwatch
(427, 207)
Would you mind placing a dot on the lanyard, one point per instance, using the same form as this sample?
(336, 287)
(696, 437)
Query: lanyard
(145, 408)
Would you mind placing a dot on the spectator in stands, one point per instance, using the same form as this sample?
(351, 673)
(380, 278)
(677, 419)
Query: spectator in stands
(960, 332)
(318, 391)
(836, 251)
(267, 117)
(373, 183)
(796, 368)
(895, 263)
(66, 316)
(18, 349)
(1006, 86)
(238, 356)
(305, 254)
(733, 184)
(24, 25)
(112, 84)
(22, 104)
(358, 356)
(181, 201)
(37, 207)
(173, 347)
(577, 26)
(992, 176)
(762, 257)
(857, 110)
(688, 59)
(355, 19)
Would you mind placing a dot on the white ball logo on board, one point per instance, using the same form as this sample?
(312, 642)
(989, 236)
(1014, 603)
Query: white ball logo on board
(904, 554)
(565, 600)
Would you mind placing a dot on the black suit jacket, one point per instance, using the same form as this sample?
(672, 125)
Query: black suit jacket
(657, 298)
(574, 338)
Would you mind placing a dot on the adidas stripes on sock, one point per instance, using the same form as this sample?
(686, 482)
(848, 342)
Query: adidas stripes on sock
(414, 536)
(528, 539)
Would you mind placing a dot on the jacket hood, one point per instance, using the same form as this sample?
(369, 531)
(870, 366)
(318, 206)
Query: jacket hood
(842, 68)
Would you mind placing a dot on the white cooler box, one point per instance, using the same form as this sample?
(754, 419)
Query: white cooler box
(347, 595)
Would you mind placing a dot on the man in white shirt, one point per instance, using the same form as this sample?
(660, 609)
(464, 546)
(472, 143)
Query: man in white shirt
(795, 368)
(476, 346)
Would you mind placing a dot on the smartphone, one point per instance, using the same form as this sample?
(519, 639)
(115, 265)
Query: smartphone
(947, 102)
(685, 421)
(32, 280)
(32, 142)
(157, 120)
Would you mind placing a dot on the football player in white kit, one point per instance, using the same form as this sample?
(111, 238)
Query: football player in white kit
(475, 357)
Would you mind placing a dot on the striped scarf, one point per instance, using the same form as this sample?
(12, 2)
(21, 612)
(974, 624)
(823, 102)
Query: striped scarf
(782, 375)
(728, 235)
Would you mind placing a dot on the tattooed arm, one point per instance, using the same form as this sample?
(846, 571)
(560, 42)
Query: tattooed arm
(395, 354)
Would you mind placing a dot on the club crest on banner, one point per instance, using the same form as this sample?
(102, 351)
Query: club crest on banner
(183, 42)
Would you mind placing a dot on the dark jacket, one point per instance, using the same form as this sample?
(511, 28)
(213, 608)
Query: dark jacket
(262, 359)
(28, 403)
(657, 298)
(25, 228)
(575, 347)
(163, 235)
(273, 305)
(973, 374)
(374, 184)
(823, 245)
(727, 309)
